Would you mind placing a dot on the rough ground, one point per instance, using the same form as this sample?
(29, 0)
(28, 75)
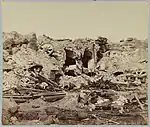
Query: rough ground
(81, 81)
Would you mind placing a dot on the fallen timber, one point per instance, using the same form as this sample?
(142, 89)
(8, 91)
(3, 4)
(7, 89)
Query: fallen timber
(40, 78)
(48, 96)
(50, 82)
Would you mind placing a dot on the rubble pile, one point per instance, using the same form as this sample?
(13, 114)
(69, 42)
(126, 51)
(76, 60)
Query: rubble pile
(81, 81)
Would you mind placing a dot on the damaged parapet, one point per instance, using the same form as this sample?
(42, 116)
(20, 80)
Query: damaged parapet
(88, 58)
(13, 41)
(73, 62)
(94, 53)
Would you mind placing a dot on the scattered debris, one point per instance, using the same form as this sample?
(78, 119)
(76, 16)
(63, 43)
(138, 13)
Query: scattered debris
(81, 81)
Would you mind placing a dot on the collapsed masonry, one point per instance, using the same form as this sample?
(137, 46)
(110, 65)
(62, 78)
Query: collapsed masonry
(98, 74)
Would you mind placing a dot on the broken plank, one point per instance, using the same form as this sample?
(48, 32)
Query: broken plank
(141, 105)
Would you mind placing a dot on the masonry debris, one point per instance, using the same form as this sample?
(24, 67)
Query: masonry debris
(81, 81)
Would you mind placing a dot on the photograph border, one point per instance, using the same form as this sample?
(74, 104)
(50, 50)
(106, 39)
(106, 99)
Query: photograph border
(1, 56)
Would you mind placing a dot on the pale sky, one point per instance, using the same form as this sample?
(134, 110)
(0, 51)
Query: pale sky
(114, 20)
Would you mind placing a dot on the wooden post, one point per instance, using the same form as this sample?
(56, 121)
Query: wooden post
(94, 55)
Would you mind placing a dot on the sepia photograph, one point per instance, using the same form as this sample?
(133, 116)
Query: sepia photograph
(75, 63)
